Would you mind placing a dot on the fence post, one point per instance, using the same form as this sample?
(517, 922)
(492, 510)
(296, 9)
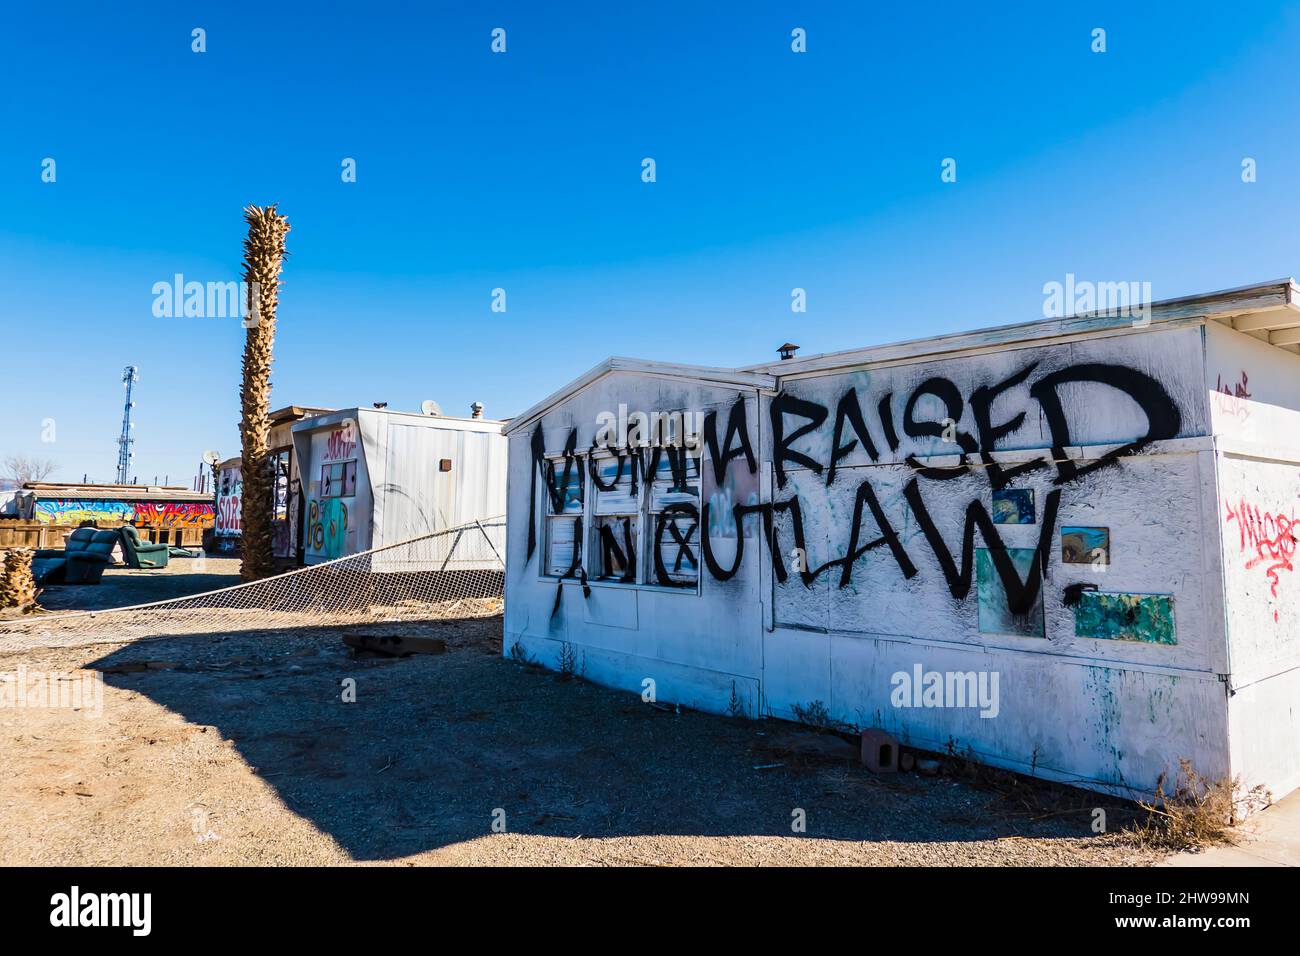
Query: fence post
(488, 539)
(451, 550)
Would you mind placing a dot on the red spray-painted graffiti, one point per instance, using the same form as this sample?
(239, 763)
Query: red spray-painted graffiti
(341, 443)
(229, 515)
(1269, 538)
(230, 493)
(1233, 399)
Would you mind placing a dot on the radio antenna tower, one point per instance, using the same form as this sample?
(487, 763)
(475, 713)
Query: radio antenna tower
(130, 375)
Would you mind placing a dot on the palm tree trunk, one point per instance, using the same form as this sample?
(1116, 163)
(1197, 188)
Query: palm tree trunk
(263, 259)
(17, 587)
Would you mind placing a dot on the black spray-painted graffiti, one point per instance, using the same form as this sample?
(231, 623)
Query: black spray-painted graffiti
(1164, 421)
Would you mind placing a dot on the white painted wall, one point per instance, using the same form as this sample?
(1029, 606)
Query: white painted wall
(1258, 431)
(418, 498)
(1254, 388)
(693, 646)
(1105, 713)
(1114, 705)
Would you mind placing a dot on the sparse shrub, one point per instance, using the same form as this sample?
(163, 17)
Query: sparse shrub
(567, 662)
(816, 714)
(970, 768)
(735, 706)
(1198, 812)
(520, 656)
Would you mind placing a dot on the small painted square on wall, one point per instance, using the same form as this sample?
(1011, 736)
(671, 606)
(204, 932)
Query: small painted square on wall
(995, 615)
(1013, 506)
(1146, 618)
(1085, 545)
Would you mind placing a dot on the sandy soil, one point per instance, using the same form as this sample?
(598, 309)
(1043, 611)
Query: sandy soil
(123, 587)
(239, 749)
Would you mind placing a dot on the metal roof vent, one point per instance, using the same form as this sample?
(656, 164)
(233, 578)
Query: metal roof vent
(787, 351)
(476, 410)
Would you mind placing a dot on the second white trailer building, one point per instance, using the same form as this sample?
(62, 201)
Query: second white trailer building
(373, 477)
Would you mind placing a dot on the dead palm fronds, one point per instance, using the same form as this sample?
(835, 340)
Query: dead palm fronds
(17, 587)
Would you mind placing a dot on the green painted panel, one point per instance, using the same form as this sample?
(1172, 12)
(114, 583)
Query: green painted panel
(1148, 618)
(995, 615)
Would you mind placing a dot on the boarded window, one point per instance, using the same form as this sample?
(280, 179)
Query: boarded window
(618, 519)
(674, 511)
(641, 525)
(564, 508)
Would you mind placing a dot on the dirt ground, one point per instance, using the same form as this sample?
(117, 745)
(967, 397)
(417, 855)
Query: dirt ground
(124, 587)
(239, 749)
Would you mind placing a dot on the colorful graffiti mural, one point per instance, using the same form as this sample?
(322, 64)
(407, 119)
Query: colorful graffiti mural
(158, 514)
(171, 514)
(229, 512)
(327, 526)
(64, 511)
(229, 515)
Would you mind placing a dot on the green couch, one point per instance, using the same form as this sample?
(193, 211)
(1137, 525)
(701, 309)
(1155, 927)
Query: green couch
(140, 553)
(82, 560)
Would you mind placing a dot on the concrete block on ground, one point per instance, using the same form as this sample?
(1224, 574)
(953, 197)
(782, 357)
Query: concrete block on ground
(879, 751)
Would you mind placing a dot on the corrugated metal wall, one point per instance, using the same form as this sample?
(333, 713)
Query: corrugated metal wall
(419, 498)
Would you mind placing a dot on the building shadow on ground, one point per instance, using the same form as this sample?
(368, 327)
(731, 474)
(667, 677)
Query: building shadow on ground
(125, 587)
(435, 749)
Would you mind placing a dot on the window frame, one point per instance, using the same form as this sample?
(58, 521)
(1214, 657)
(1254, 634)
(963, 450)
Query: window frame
(589, 541)
(595, 550)
(651, 517)
(549, 518)
(344, 472)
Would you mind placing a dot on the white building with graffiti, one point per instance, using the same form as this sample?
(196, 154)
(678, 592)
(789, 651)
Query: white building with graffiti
(1065, 547)
(286, 496)
(372, 477)
(228, 490)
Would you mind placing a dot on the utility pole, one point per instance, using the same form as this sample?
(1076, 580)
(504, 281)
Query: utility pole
(130, 375)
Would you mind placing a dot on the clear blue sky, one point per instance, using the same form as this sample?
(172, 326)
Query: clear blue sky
(523, 171)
